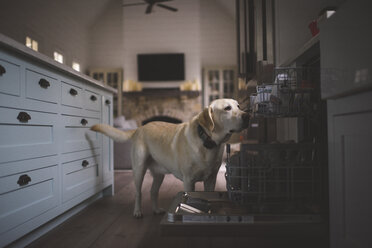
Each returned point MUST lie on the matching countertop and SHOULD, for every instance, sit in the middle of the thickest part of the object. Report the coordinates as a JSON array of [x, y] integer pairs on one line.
[[15, 46]]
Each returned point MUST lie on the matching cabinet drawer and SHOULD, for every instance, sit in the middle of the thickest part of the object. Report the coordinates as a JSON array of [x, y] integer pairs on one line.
[[73, 156], [16, 167], [79, 176], [77, 135], [72, 96], [92, 101], [10, 78], [79, 121], [26, 134], [42, 87], [26, 195]]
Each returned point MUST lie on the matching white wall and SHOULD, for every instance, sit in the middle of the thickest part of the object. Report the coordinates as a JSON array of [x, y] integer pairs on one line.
[[203, 30], [56, 25], [106, 37], [162, 31], [217, 33], [100, 33]]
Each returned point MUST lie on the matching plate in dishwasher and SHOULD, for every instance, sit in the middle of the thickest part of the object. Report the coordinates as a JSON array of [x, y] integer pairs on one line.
[[216, 207]]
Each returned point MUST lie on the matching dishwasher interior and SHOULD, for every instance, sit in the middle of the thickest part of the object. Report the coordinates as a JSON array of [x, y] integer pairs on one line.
[[272, 181]]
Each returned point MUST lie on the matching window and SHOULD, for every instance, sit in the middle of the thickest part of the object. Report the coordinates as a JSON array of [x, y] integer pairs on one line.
[[33, 44], [58, 57], [75, 66]]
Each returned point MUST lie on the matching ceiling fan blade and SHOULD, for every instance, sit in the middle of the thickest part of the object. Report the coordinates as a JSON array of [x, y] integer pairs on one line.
[[167, 7], [156, 1], [149, 8], [133, 4]]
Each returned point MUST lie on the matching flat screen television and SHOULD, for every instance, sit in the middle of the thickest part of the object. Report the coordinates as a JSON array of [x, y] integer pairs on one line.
[[161, 67]]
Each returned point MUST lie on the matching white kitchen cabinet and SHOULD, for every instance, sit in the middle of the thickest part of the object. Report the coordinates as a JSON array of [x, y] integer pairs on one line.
[[219, 82], [50, 160]]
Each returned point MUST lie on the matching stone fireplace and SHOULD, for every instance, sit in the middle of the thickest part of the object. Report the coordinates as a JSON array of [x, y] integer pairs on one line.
[[170, 105]]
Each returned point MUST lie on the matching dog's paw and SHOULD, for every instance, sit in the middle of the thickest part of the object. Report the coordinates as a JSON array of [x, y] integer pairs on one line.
[[159, 211], [137, 214]]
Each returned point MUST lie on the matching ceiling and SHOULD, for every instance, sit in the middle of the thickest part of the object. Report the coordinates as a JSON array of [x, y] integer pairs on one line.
[[227, 5]]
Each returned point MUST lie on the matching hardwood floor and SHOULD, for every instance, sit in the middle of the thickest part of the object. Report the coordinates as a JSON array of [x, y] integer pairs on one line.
[[109, 222]]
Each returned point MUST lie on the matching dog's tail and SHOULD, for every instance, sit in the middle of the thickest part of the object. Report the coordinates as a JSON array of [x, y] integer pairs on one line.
[[114, 133]]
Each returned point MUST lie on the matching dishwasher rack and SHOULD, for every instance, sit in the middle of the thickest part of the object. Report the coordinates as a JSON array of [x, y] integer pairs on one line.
[[290, 94], [277, 173]]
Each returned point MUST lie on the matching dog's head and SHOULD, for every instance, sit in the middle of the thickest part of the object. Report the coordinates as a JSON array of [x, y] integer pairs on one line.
[[224, 116]]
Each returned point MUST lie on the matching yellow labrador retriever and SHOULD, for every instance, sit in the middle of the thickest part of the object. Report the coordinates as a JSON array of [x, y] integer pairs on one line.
[[191, 151]]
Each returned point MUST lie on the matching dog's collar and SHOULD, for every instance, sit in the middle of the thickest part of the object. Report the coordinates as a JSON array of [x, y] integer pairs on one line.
[[207, 141]]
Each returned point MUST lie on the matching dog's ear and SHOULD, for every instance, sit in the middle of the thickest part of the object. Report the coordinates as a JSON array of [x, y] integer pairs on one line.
[[206, 119]]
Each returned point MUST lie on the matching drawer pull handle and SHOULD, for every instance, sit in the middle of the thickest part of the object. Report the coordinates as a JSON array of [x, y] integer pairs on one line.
[[93, 98], [23, 117], [73, 92], [108, 102], [84, 122], [2, 70], [85, 163], [24, 180], [44, 83]]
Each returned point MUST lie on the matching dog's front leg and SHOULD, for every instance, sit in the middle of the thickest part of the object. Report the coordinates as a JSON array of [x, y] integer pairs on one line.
[[210, 182], [188, 185]]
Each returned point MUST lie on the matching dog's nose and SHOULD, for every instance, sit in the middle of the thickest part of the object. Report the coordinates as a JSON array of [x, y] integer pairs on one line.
[[245, 118]]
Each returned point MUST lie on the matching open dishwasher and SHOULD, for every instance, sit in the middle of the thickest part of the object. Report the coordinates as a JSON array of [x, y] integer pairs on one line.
[[276, 183], [277, 186]]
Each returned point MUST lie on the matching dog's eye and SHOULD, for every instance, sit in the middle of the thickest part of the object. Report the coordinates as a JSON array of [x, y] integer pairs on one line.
[[228, 108], [238, 106]]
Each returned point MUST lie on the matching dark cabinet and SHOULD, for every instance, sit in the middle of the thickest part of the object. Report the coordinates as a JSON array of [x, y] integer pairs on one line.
[[254, 30], [346, 84]]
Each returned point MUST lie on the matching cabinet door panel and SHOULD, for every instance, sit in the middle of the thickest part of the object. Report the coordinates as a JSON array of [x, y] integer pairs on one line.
[[42, 87], [107, 143], [92, 101], [72, 95], [9, 77], [78, 137], [350, 171], [78, 179], [21, 139], [21, 203]]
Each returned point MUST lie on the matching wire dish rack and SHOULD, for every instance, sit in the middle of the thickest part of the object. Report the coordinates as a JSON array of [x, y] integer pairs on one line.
[[290, 94], [274, 174]]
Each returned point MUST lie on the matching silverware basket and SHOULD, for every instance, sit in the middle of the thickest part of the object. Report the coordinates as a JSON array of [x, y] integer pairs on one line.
[[290, 94]]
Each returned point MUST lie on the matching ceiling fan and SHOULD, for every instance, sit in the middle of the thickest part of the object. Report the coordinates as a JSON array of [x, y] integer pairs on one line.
[[151, 3]]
